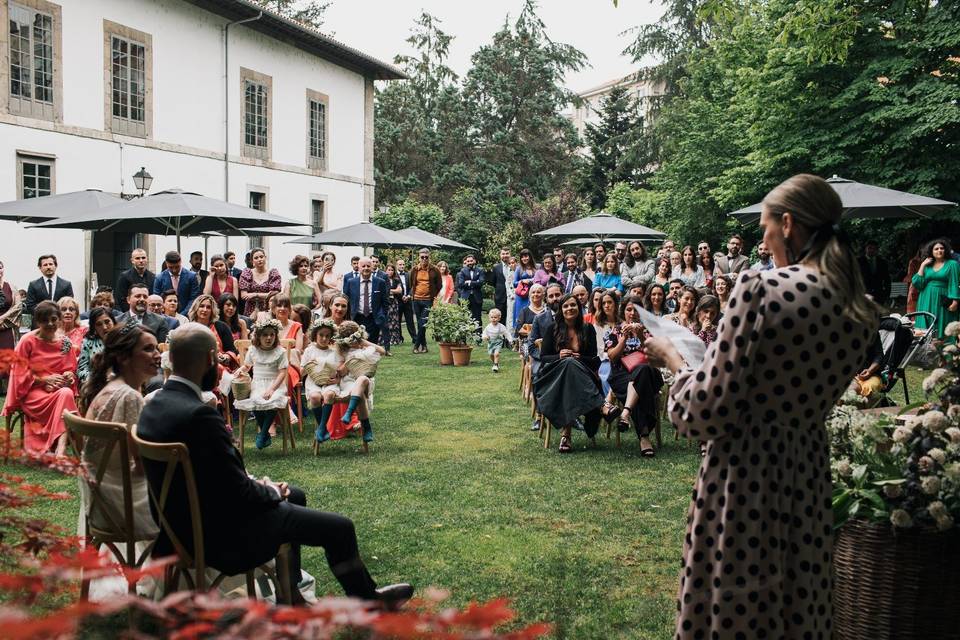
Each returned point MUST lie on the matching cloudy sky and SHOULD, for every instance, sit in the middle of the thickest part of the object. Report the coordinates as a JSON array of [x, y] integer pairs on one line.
[[380, 28]]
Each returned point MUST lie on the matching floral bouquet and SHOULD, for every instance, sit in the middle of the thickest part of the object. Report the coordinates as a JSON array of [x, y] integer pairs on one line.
[[907, 474]]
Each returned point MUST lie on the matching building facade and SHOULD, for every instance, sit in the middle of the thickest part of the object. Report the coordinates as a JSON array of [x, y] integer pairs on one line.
[[643, 91], [211, 96]]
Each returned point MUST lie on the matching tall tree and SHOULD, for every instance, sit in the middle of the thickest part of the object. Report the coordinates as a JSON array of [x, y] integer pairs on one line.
[[419, 124], [307, 12], [618, 148], [515, 97]]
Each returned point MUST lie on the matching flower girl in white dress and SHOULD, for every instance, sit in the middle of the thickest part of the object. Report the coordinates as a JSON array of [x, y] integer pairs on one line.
[[360, 358], [268, 389], [320, 364]]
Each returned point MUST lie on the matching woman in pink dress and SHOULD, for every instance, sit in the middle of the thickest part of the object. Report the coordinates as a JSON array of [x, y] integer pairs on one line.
[[258, 285], [446, 289], [325, 276], [44, 386]]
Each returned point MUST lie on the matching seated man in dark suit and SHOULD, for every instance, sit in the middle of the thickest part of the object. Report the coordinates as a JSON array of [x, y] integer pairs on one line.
[[48, 287], [137, 297], [244, 520], [369, 297]]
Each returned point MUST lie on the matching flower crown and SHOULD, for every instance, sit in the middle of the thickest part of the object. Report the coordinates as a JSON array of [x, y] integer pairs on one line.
[[321, 323], [271, 323], [359, 334]]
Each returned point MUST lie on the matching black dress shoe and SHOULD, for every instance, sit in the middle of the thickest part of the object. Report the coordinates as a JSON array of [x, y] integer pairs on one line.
[[394, 595]]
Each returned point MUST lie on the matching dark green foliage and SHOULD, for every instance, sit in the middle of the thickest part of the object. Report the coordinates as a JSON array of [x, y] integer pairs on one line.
[[307, 12], [618, 148]]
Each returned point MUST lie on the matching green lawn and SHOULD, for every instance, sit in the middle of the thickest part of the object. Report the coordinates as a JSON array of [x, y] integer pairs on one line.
[[458, 493]]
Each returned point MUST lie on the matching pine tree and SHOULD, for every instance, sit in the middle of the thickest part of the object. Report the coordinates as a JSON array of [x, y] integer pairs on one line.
[[617, 148]]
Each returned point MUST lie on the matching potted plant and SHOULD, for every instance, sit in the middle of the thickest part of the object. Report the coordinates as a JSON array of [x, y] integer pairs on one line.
[[896, 502], [455, 330]]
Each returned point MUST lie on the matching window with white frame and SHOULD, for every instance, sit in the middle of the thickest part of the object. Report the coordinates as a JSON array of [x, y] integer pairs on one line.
[[318, 128], [35, 176], [257, 110], [34, 42], [318, 219]]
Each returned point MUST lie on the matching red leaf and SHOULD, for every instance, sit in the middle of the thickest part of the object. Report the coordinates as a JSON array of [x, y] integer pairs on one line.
[[484, 616]]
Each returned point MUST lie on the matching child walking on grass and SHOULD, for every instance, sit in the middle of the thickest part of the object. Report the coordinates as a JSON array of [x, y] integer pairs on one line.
[[497, 336], [268, 388]]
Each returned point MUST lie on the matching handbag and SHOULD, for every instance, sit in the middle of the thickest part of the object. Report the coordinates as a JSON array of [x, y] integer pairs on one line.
[[633, 360], [523, 288]]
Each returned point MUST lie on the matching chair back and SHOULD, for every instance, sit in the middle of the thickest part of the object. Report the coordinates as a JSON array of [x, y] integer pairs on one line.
[[289, 344], [176, 456], [113, 439]]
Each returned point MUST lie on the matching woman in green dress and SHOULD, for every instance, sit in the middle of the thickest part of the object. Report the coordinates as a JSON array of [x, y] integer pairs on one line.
[[938, 281], [300, 288]]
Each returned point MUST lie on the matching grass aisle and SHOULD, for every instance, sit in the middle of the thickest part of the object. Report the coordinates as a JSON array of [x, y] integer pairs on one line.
[[457, 493]]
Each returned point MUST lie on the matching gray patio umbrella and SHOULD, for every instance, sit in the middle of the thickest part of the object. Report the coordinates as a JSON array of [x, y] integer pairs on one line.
[[172, 212], [432, 239], [867, 201], [362, 234], [264, 231], [602, 227], [588, 242], [34, 210]]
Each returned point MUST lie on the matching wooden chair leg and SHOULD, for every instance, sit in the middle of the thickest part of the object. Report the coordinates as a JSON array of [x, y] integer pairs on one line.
[[298, 398], [618, 435], [547, 427], [282, 564], [243, 423], [251, 586]]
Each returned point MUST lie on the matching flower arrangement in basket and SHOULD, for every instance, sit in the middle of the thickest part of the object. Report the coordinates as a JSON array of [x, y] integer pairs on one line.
[[452, 323], [907, 473]]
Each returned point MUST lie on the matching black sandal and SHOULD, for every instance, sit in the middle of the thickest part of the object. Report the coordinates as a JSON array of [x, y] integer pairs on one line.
[[609, 411], [623, 425], [647, 452], [565, 446]]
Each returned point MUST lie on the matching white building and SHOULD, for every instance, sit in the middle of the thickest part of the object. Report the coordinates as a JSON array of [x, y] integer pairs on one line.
[[265, 113], [643, 91]]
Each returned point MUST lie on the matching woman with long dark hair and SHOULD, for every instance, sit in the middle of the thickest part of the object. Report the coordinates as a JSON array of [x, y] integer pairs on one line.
[[758, 549], [570, 350], [113, 393], [709, 266], [938, 281], [230, 315], [609, 276], [689, 271], [632, 380], [548, 272], [656, 300], [101, 322]]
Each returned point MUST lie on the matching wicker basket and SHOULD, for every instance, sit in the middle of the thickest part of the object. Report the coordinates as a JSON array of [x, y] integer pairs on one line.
[[241, 388], [901, 585]]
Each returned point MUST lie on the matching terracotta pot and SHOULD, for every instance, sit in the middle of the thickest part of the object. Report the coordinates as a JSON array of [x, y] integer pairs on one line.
[[446, 357], [461, 355]]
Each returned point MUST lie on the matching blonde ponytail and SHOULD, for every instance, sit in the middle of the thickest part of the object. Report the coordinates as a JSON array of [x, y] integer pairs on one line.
[[815, 205]]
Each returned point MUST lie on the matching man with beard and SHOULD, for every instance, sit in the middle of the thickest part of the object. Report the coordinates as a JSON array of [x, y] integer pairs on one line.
[[137, 298], [734, 262], [244, 520], [137, 274]]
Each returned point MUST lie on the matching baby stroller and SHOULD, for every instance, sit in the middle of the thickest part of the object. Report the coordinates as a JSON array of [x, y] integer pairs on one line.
[[901, 345]]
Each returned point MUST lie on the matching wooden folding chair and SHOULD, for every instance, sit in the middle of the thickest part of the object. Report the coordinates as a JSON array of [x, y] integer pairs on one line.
[[176, 457], [117, 534], [283, 414], [12, 419]]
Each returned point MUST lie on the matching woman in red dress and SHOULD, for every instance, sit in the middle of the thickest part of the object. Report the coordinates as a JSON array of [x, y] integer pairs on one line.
[[70, 322], [44, 386], [220, 281]]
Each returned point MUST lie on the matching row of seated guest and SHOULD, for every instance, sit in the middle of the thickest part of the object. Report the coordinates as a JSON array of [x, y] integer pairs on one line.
[[245, 519], [622, 370]]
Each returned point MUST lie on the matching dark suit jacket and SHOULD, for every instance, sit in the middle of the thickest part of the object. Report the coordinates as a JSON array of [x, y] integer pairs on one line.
[[187, 290], [474, 290], [578, 278], [876, 280], [37, 292], [127, 278], [239, 515], [542, 325], [379, 297], [154, 322], [498, 278]]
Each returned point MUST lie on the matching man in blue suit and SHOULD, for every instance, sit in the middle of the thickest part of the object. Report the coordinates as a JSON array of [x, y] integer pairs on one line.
[[470, 287], [368, 297], [174, 277]]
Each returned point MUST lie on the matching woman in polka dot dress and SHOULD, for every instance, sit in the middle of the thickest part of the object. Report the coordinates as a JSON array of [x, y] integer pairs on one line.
[[758, 549]]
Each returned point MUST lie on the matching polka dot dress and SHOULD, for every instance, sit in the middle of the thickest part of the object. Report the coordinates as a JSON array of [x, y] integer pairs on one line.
[[759, 542]]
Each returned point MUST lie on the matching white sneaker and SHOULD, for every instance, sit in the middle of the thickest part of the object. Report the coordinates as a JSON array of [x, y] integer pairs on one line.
[[495, 368]]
